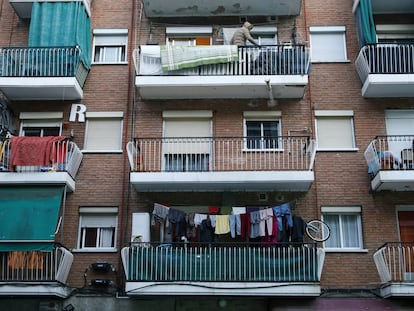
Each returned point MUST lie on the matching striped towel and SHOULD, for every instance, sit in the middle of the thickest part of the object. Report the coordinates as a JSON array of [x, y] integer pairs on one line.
[[179, 57]]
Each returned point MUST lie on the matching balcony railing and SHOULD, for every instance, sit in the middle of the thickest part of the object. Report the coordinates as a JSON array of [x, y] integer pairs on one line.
[[385, 59], [36, 266], [221, 154], [237, 262], [65, 156], [395, 262], [394, 152], [252, 60], [32, 62]]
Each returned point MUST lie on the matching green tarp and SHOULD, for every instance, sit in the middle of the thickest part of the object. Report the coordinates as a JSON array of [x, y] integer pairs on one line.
[[61, 24], [28, 217]]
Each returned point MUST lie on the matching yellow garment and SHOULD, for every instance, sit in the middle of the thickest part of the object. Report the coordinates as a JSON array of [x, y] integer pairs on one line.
[[222, 224]]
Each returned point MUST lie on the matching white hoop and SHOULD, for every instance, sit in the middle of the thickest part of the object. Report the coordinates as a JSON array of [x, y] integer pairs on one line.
[[317, 230]]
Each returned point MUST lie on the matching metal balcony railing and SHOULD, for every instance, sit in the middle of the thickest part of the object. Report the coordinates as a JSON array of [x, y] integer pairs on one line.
[[393, 152], [385, 59], [395, 262], [252, 60], [221, 154], [229, 262], [64, 156], [33, 62], [36, 266]]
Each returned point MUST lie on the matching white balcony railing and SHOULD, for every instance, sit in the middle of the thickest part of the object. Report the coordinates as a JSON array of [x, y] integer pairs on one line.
[[394, 152], [36, 266], [223, 263], [395, 262], [65, 156], [221, 154], [252, 60], [385, 59]]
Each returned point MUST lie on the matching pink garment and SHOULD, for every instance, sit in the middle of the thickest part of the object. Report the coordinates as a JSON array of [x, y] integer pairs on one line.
[[37, 151]]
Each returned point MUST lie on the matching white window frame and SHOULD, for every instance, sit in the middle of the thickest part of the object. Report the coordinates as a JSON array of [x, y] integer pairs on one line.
[[187, 32], [108, 40], [320, 31], [262, 116], [96, 212], [111, 116], [40, 120], [341, 211], [339, 114], [259, 33]]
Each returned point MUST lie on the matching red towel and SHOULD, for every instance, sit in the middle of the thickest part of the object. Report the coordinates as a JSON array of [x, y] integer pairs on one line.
[[38, 151]]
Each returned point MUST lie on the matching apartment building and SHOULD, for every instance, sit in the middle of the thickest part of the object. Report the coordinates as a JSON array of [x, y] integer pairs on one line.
[[147, 163]]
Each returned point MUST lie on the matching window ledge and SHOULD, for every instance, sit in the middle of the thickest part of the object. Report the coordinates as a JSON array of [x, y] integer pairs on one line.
[[345, 61], [94, 250], [110, 63], [337, 149], [345, 250], [101, 151]]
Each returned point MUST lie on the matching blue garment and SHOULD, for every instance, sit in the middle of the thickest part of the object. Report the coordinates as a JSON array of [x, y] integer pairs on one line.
[[255, 224], [280, 211], [235, 225]]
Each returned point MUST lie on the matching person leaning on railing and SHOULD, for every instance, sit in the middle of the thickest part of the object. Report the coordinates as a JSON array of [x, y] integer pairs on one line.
[[242, 35]]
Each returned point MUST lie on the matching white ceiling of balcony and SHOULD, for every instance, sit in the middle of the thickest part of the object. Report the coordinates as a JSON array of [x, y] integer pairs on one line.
[[398, 180], [231, 87], [41, 88], [392, 6], [189, 8], [296, 181]]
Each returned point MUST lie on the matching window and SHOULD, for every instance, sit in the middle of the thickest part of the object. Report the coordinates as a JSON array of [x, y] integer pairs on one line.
[[189, 36], [187, 140], [264, 35], [335, 130], [328, 44], [395, 33], [345, 225], [103, 132], [110, 46], [262, 130], [40, 124], [97, 228]]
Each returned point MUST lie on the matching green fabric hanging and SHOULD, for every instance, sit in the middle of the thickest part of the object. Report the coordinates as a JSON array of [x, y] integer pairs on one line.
[[367, 21], [28, 217], [61, 24]]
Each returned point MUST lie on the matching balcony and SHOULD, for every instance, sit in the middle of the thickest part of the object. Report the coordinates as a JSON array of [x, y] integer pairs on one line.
[[23, 8], [269, 72], [395, 265], [390, 163], [35, 273], [386, 70], [29, 73], [232, 269], [213, 8], [39, 161], [222, 164]]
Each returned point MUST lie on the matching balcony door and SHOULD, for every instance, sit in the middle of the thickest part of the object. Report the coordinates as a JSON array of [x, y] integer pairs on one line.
[[406, 228], [399, 125], [187, 142]]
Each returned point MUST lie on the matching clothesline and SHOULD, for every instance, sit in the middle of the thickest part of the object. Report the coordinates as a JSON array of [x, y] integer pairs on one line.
[[252, 222]]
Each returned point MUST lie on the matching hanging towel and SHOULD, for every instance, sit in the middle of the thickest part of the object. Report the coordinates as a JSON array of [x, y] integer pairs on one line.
[[222, 224]]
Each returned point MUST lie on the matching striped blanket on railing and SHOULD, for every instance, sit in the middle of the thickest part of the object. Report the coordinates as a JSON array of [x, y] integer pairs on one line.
[[180, 57]]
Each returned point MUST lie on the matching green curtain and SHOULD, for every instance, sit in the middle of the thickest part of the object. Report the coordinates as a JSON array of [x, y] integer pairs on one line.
[[28, 217], [366, 22], [61, 24]]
